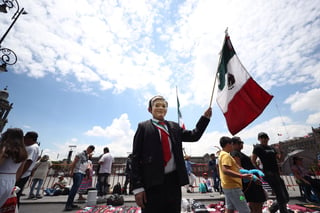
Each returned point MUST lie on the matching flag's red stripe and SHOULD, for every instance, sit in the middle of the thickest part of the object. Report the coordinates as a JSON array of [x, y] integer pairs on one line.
[[246, 105]]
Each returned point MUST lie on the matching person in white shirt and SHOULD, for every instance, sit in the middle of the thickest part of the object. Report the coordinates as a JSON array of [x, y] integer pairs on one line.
[[32, 147], [77, 171], [105, 163]]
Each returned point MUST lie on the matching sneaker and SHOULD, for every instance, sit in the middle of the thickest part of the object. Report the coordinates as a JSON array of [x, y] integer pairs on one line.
[[38, 196], [31, 196], [75, 206], [68, 208]]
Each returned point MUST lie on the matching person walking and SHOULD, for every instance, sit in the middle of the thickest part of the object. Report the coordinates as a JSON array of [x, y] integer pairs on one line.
[[191, 176], [230, 177], [253, 190], [86, 182], [127, 172], [77, 171], [39, 172], [24, 172], [268, 157], [158, 168], [105, 163], [212, 165]]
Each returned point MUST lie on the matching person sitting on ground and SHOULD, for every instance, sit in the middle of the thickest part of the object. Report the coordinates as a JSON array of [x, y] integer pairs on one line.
[[303, 176], [205, 185], [58, 188]]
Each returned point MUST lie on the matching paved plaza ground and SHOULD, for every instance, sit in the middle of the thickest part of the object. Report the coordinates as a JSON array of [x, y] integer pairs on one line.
[[52, 204]]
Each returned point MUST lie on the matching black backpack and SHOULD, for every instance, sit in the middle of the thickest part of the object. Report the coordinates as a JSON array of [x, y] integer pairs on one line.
[[115, 200], [117, 189]]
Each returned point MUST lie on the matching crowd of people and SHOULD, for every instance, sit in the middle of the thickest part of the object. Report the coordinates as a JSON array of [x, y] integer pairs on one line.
[[21, 162], [156, 169]]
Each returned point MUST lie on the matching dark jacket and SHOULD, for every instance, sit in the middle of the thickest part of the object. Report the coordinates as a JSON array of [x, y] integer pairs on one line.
[[147, 158]]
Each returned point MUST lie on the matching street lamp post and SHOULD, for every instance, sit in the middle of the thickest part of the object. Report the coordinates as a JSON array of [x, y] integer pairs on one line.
[[5, 108], [70, 153], [8, 56]]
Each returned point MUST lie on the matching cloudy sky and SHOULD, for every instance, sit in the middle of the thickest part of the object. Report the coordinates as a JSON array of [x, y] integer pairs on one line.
[[86, 68]]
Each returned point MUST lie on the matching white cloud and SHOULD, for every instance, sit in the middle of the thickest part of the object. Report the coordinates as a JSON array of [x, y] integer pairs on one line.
[[314, 119], [118, 137], [119, 134], [305, 100], [114, 43]]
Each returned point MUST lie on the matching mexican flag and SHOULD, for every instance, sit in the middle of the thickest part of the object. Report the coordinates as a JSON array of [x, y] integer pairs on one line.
[[180, 121], [240, 98]]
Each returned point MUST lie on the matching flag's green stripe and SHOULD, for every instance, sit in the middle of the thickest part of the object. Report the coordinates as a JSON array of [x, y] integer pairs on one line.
[[226, 54]]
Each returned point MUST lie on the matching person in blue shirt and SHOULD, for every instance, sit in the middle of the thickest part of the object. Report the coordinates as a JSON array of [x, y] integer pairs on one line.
[[192, 177]]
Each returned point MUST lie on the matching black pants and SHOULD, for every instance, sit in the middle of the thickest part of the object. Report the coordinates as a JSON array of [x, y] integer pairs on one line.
[[165, 197], [21, 183], [126, 182], [279, 188]]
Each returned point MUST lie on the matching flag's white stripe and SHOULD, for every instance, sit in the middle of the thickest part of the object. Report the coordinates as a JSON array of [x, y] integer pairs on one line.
[[241, 76]]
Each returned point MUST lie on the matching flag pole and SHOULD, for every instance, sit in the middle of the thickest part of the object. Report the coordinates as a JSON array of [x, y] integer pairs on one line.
[[214, 85], [177, 103], [215, 79]]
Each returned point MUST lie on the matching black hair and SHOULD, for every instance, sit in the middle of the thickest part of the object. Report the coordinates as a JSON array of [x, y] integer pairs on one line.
[[263, 135], [224, 140], [32, 135], [236, 140], [91, 147], [106, 149]]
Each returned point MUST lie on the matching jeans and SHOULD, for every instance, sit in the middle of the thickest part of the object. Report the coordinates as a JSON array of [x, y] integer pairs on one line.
[[235, 200], [34, 183], [216, 180], [77, 178], [103, 186], [126, 182]]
